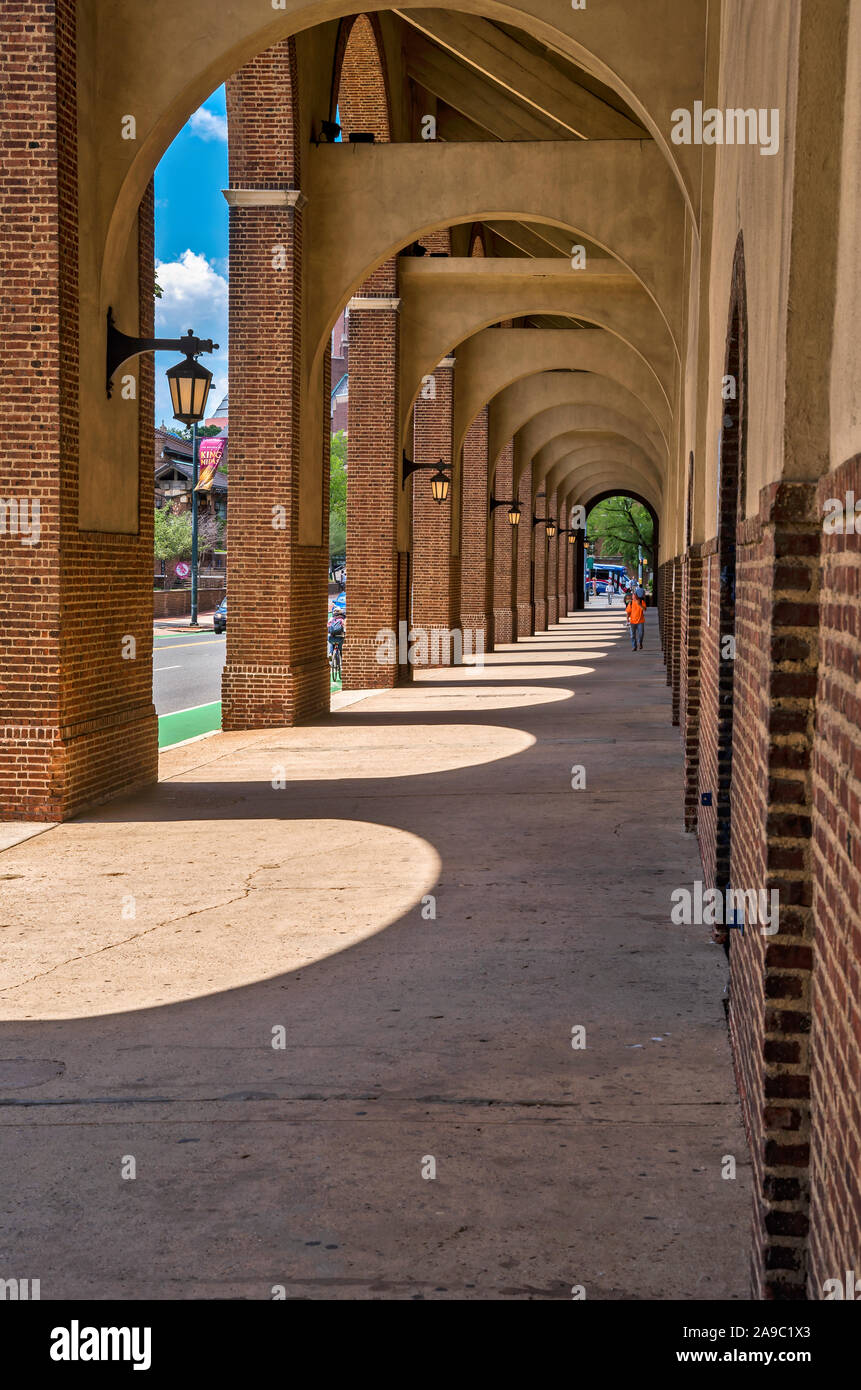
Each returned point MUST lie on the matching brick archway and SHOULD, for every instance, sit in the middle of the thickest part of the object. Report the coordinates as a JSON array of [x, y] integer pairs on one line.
[[360, 87]]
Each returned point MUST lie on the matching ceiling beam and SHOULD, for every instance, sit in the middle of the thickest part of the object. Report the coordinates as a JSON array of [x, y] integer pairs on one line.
[[522, 237], [499, 57], [466, 91]]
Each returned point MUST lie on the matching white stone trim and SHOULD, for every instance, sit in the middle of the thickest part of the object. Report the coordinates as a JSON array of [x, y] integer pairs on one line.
[[446, 362], [372, 302], [265, 198]]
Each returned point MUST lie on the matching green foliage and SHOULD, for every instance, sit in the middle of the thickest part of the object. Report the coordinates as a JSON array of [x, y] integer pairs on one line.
[[172, 534], [203, 431], [622, 524], [338, 494]]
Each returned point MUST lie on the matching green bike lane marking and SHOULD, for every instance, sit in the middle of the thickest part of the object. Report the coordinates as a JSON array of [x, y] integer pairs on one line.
[[200, 719], [188, 723]]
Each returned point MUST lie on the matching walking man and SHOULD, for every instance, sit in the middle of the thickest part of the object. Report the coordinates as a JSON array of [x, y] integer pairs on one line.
[[636, 611]]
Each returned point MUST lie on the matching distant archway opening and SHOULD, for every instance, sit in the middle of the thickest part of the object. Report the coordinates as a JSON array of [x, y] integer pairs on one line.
[[654, 549]]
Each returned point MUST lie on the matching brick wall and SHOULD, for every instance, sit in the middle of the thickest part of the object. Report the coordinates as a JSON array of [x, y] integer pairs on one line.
[[712, 777], [77, 719], [551, 562], [769, 1015], [431, 568], [476, 598], [523, 577], [376, 602], [539, 562], [361, 79], [675, 634], [689, 679], [835, 1237], [504, 551], [276, 671]]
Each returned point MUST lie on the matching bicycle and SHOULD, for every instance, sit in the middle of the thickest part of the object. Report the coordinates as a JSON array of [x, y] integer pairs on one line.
[[335, 660]]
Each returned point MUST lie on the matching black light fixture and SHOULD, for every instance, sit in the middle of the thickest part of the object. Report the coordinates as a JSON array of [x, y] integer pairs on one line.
[[361, 137], [330, 130], [189, 382], [550, 528], [514, 512], [189, 388], [440, 482], [570, 532]]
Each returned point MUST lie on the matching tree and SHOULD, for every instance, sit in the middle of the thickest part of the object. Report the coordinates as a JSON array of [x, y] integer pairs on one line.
[[622, 525], [203, 431], [338, 494], [172, 534]]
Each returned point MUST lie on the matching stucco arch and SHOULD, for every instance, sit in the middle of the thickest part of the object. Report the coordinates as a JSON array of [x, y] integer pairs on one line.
[[437, 315], [554, 460], [123, 45], [527, 365], [590, 402], [587, 478], [618, 194], [569, 421]]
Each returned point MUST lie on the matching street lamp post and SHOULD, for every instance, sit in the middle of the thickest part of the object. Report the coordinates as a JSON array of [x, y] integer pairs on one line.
[[189, 388], [195, 458]]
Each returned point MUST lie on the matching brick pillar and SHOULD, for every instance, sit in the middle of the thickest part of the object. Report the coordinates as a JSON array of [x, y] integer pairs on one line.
[[539, 563], [504, 552], [552, 564], [476, 599], [431, 567], [561, 567], [276, 672], [77, 723], [375, 600], [835, 1216], [771, 803], [523, 577], [674, 665], [689, 678]]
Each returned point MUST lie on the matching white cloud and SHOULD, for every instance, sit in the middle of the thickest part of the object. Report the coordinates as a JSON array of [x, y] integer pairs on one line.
[[208, 126], [195, 296]]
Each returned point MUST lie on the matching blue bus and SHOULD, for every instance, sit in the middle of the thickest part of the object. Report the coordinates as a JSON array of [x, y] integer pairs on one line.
[[604, 575]]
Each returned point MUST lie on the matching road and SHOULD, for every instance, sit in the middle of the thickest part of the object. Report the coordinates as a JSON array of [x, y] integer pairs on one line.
[[187, 670]]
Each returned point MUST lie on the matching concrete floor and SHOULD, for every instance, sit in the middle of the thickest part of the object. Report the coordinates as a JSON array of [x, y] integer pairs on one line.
[[408, 1037]]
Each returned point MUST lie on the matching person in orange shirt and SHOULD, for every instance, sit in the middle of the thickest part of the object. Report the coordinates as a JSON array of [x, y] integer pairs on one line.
[[636, 611]]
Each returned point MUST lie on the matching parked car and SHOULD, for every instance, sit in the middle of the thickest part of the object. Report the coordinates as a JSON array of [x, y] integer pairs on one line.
[[219, 617]]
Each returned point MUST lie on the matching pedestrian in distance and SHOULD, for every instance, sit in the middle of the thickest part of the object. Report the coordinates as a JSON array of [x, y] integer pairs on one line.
[[635, 608]]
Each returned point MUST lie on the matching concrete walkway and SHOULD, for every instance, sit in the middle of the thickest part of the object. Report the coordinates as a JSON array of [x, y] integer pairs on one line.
[[275, 887]]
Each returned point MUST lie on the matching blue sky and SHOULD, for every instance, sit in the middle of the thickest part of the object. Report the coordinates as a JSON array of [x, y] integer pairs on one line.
[[191, 245]]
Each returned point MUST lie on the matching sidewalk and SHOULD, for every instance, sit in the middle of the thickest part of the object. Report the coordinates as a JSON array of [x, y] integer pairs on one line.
[[183, 623], [314, 966]]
